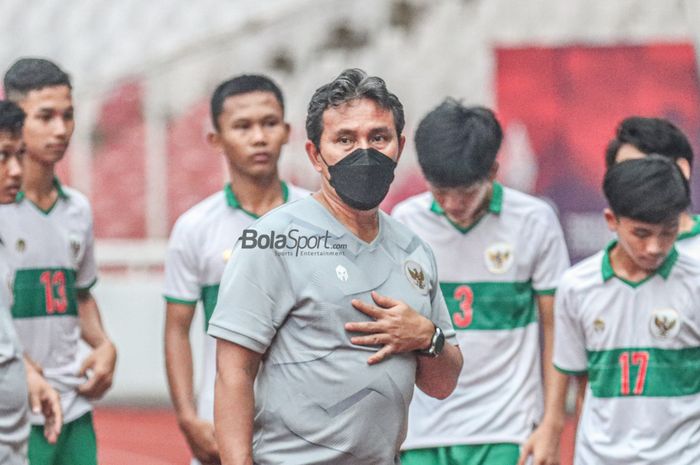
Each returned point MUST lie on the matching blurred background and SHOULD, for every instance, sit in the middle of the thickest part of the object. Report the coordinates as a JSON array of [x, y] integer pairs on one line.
[[560, 75]]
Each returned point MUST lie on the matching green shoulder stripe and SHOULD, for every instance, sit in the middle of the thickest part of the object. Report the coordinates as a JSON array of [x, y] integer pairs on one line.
[[89, 286], [570, 372], [173, 300], [546, 291]]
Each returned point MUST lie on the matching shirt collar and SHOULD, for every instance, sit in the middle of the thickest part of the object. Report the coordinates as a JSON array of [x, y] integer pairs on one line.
[[233, 202], [338, 230], [62, 194], [664, 270], [495, 205]]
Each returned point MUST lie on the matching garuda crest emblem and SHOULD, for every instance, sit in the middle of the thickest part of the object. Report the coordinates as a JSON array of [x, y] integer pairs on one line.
[[665, 323], [416, 276], [499, 257]]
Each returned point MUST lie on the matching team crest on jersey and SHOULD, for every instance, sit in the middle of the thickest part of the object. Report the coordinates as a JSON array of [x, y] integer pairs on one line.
[[75, 248], [227, 254], [342, 273], [598, 325], [499, 257], [665, 323], [415, 275], [21, 245]]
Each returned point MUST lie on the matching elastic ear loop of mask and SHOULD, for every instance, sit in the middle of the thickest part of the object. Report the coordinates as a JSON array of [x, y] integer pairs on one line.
[[327, 166]]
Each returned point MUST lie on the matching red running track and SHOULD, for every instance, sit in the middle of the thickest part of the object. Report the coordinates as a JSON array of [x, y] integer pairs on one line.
[[128, 436]]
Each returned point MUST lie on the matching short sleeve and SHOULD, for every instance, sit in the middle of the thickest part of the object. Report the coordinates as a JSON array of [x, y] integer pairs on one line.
[[440, 316], [254, 299], [552, 256], [569, 338], [86, 276], [182, 283], [399, 214]]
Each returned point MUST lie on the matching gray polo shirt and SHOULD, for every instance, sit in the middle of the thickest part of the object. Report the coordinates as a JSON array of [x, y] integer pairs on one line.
[[317, 401]]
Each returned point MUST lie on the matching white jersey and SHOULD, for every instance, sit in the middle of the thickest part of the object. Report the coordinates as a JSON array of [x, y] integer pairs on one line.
[[14, 421], [490, 274], [200, 245], [54, 258], [10, 347], [639, 343], [689, 242]]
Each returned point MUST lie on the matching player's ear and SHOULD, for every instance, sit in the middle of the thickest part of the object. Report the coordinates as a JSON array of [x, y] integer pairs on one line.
[[493, 171], [402, 144], [610, 219], [287, 130], [214, 140], [684, 166], [314, 155]]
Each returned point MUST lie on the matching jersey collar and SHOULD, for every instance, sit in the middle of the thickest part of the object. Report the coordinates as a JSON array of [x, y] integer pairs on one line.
[[355, 245], [664, 270], [694, 231], [62, 194], [233, 202], [495, 207]]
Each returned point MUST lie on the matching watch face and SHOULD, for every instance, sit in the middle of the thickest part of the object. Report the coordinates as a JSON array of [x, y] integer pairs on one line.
[[439, 341]]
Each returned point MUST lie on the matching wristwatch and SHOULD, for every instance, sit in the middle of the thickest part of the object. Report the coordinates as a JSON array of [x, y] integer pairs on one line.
[[436, 344]]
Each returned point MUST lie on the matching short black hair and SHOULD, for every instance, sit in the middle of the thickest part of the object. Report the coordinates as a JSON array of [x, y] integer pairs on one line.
[[28, 74], [456, 144], [242, 84], [11, 118], [351, 84], [650, 135], [650, 189]]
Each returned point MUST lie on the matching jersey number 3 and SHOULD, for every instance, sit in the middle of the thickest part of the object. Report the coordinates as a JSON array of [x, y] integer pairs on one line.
[[640, 359], [54, 291], [465, 296]]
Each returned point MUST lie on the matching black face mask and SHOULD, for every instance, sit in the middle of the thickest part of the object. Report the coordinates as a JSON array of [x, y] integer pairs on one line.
[[362, 179]]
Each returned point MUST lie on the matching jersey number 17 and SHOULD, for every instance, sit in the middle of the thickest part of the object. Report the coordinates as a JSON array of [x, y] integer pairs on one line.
[[641, 360]]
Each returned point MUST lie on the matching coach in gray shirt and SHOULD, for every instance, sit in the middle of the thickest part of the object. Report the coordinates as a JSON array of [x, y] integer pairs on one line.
[[329, 311]]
